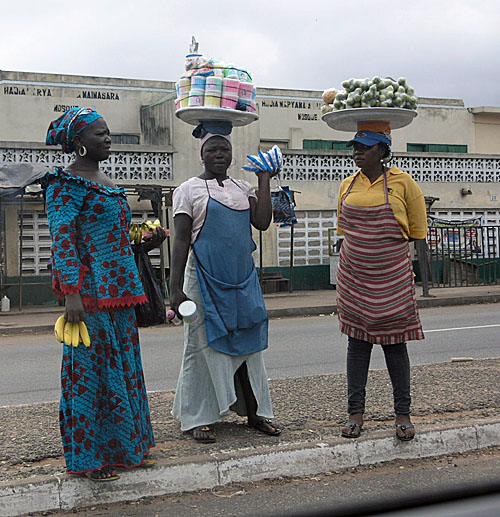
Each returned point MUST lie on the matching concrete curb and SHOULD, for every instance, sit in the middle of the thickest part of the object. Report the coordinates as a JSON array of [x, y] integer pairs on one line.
[[457, 300], [208, 471], [291, 312], [39, 329]]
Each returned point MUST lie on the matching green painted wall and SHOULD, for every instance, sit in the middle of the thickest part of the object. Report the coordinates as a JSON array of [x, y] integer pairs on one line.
[[32, 294], [305, 278]]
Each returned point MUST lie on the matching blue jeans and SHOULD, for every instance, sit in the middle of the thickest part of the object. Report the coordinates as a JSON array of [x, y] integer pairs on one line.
[[358, 362]]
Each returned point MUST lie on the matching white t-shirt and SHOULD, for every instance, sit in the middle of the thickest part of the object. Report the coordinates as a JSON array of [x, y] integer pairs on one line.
[[191, 198]]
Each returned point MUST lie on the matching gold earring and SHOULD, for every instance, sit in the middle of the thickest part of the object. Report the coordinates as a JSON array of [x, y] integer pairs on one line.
[[82, 151]]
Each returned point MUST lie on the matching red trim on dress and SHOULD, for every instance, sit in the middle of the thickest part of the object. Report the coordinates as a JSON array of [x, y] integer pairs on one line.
[[61, 289], [92, 304]]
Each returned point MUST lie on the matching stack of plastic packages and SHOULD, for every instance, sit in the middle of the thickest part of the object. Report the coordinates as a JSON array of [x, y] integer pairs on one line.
[[197, 92], [209, 82], [183, 88], [213, 91]]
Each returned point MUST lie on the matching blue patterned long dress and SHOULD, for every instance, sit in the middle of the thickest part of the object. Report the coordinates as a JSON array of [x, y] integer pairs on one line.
[[104, 414]]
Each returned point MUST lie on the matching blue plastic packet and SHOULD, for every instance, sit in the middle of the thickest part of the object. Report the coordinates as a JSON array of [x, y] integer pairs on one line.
[[259, 164], [271, 163], [265, 162], [277, 156], [266, 165]]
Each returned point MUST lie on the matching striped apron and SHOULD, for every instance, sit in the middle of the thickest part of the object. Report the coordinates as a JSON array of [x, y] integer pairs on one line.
[[375, 287]]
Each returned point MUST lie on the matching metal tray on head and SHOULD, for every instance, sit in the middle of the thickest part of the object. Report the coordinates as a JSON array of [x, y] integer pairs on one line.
[[348, 119], [195, 115]]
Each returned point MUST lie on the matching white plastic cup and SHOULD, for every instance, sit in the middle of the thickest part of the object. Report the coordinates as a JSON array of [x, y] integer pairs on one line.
[[187, 310], [172, 317]]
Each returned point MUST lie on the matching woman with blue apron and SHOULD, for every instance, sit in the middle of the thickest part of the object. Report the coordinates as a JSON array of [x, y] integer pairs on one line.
[[222, 368]]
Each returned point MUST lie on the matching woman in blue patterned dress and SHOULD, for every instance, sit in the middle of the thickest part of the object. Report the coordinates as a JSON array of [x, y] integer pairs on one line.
[[104, 414]]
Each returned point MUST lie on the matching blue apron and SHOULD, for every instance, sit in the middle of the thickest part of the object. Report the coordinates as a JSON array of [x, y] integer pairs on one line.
[[236, 319]]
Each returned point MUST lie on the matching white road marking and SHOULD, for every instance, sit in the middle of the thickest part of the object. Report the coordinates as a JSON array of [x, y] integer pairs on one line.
[[463, 328]]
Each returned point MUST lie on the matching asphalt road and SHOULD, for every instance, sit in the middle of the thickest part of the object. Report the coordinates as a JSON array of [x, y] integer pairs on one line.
[[30, 364], [397, 485]]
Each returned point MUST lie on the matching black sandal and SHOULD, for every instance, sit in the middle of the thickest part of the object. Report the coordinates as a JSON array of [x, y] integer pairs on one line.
[[352, 427], [404, 427], [266, 426]]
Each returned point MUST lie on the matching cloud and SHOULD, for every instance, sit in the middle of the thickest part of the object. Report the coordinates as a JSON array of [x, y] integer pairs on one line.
[[445, 48]]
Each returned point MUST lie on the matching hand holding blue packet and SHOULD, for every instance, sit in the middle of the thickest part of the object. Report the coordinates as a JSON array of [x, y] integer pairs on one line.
[[266, 162]]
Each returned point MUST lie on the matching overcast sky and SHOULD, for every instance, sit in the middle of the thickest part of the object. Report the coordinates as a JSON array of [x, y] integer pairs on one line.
[[445, 48]]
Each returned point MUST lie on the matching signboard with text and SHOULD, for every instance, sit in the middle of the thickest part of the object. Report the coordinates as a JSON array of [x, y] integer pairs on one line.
[[454, 238]]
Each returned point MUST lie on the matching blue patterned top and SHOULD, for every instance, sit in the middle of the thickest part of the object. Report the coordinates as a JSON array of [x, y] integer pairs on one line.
[[91, 253]]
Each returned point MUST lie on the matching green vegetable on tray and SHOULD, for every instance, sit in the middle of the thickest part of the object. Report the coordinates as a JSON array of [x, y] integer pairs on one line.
[[373, 93]]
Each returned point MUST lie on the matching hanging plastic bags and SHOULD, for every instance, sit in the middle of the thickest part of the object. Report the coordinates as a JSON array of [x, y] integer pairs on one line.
[[283, 211], [153, 311], [272, 161]]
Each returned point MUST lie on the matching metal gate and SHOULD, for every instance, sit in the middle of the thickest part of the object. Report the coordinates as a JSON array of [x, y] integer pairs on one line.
[[463, 254]]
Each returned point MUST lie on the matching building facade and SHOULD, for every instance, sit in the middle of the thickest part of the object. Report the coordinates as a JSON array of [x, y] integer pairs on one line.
[[450, 149]]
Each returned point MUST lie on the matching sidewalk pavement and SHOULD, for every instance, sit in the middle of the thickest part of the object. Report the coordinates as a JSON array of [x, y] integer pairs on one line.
[[41, 319], [455, 409]]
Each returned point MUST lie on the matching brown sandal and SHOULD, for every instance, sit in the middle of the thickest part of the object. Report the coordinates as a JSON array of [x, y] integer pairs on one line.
[[96, 475], [147, 463], [207, 430]]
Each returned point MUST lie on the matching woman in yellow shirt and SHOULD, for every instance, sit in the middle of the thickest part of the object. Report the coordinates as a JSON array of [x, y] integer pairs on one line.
[[380, 209]]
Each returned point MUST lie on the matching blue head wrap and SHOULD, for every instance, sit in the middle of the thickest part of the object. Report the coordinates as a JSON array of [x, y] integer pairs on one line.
[[62, 130], [215, 127]]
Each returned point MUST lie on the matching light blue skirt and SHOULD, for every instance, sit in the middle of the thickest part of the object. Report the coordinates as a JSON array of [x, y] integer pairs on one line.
[[207, 389]]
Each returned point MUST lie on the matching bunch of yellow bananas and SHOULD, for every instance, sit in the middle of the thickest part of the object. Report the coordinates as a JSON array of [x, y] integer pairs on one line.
[[135, 233], [71, 334], [151, 226], [136, 230]]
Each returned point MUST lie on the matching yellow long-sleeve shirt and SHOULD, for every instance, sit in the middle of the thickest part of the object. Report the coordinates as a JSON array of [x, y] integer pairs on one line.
[[405, 197]]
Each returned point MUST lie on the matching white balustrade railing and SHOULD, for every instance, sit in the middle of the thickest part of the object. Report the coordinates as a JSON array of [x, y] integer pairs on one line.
[[298, 165], [312, 232], [335, 166], [129, 166]]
